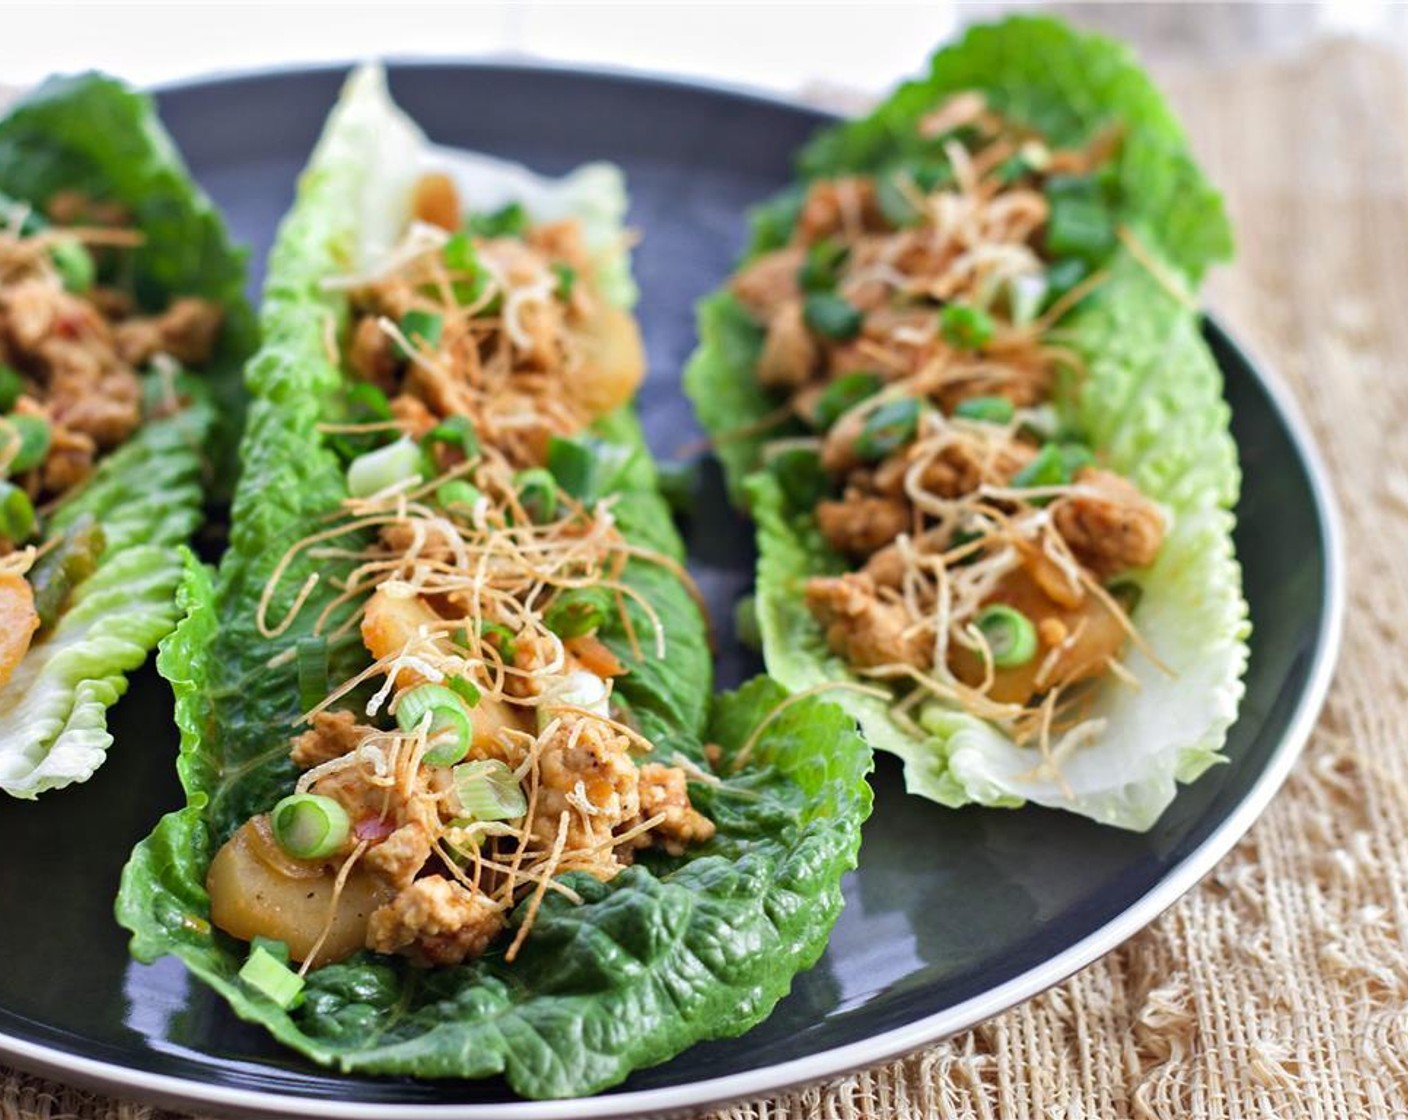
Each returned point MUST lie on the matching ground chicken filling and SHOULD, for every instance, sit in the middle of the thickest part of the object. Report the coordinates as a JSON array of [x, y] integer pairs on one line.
[[481, 751], [913, 324], [75, 350]]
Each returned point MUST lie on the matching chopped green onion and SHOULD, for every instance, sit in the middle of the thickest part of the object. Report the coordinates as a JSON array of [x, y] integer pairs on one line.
[[16, 513], [450, 730], [887, 429], [588, 468], [988, 410], [487, 791], [74, 265], [507, 221], [64, 565], [362, 403], [961, 537], [578, 689], [309, 826], [420, 327], [459, 496], [964, 326], [11, 387], [1080, 222], [499, 636], [465, 689], [566, 280], [832, 316], [843, 394], [311, 651], [537, 494], [34, 437], [803, 479], [822, 266], [894, 191], [471, 278], [1009, 633], [271, 977], [456, 431], [746, 627], [383, 468], [1056, 464], [575, 612]]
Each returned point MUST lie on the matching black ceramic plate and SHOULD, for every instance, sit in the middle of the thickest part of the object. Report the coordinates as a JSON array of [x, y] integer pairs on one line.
[[951, 917]]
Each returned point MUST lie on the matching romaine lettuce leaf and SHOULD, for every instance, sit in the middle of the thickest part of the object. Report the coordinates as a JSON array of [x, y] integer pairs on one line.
[[1151, 402], [93, 134], [671, 951]]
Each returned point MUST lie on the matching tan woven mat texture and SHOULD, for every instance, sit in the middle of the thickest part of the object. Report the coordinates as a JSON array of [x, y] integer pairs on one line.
[[1278, 988]]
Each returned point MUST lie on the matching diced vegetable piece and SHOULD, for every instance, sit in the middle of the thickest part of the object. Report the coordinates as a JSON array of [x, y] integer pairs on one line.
[[537, 494], [450, 729], [576, 612], [843, 394], [16, 513], [29, 436], [67, 563], [308, 826], [830, 315], [588, 468], [964, 326], [457, 432], [388, 466], [887, 429], [271, 977], [11, 386], [74, 265], [313, 682], [507, 221], [487, 791], [18, 622], [421, 328], [822, 266], [1010, 635], [988, 410], [1081, 223], [392, 621]]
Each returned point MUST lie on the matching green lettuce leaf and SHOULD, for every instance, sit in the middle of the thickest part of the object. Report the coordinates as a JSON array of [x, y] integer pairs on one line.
[[94, 135], [1151, 403], [669, 952]]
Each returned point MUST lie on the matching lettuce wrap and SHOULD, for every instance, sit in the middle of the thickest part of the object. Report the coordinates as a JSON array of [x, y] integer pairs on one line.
[[672, 949], [1148, 403], [92, 137]]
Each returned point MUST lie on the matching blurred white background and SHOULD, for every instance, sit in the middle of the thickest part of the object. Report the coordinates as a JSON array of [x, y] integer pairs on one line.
[[777, 46]]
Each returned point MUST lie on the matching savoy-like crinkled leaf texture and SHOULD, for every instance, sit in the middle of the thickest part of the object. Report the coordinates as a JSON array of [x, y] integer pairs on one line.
[[94, 135], [673, 950], [1150, 403]]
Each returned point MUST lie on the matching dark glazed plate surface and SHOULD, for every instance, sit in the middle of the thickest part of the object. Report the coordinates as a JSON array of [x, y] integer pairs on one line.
[[951, 917]]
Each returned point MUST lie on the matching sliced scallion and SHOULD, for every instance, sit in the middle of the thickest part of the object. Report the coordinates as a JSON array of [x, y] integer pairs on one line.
[[822, 265], [887, 429], [1009, 633], [271, 977], [507, 221], [843, 394], [799, 472], [309, 826], [988, 410], [421, 328], [383, 468], [487, 791], [965, 326], [450, 729], [313, 678], [33, 436], [74, 264], [11, 386], [566, 280], [537, 494], [575, 612], [16, 513], [459, 496], [457, 432], [832, 316]]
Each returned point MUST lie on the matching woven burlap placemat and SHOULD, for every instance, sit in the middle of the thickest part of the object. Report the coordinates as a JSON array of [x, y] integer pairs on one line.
[[1278, 988]]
